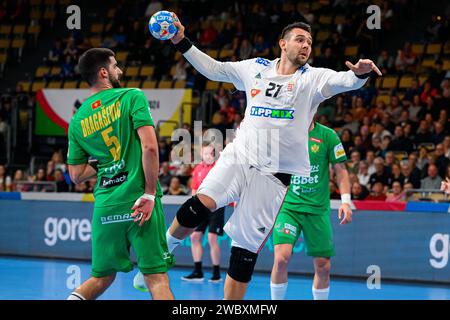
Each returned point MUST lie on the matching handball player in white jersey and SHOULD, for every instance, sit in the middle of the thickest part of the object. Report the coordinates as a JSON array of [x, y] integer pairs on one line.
[[271, 144]]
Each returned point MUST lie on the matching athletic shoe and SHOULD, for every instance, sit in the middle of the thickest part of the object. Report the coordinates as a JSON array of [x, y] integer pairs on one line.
[[215, 279], [195, 276], [139, 282]]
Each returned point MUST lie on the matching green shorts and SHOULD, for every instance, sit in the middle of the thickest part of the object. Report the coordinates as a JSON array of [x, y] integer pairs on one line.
[[317, 232], [114, 232]]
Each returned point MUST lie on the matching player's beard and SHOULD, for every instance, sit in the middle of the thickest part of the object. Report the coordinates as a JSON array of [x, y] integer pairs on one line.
[[296, 60], [114, 82]]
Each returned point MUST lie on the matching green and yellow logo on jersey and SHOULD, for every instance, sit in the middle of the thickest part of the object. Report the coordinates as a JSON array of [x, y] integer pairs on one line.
[[315, 148]]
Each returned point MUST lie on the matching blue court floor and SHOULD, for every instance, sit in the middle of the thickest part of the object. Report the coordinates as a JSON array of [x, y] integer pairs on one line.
[[37, 279]]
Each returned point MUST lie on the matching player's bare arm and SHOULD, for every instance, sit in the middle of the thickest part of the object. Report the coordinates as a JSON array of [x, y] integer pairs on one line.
[[343, 181], [150, 162], [81, 172]]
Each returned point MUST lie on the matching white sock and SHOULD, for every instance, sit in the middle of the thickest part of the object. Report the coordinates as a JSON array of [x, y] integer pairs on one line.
[[75, 296], [320, 294], [278, 290], [172, 242]]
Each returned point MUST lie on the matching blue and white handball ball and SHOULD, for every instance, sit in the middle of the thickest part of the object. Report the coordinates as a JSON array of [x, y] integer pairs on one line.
[[161, 25]]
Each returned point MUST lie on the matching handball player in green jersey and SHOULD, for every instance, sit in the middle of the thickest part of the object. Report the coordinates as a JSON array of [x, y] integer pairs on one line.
[[306, 209], [114, 126]]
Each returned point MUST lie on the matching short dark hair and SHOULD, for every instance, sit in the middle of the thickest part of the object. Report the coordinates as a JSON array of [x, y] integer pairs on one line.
[[91, 61], [294, 25]]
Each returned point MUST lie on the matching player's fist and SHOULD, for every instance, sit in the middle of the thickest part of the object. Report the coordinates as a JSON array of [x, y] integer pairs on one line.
[[180, 33], [363, 66]]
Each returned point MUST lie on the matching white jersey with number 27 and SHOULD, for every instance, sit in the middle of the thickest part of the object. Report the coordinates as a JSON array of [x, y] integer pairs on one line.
[[273, 136]]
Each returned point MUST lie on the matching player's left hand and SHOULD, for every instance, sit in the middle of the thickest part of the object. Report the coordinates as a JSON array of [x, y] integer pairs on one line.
[[143, 209], [345, 208], [363, 66]]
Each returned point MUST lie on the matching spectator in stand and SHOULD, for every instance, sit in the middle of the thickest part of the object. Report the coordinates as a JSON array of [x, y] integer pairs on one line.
[[376, 146], [433, 180], [444, 120], [358, 146], [165, 176], [359, 191], [359, 111], [441, 160], [363, 173], [370, 157], [67, 68], [40, 177], [334, 192], [71, 49], [379, 131], [397, 193], [347, 141], [415, 108], [439, 133], [413, 178], [175, 188], [353, 164], [413, 90], [185, 173], [164, 150], [387, 122], [377, 192], [381, 174], [180, 70], [245, 50], [406, 59], [385, 62], [50, 171], [399, 142], [350, 123], [423, 133], [209, 35], [428, 91], [384, 146], [394, 108], [61, 185], [422, 159], [389, 160], [437, 74], [327, 59], [397, 174], [56, 54], [19, 176], [2, 178], [446, 144], [261, 48]]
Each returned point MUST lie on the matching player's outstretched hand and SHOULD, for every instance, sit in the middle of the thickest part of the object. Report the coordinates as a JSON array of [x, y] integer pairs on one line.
[[180, 33], [445, 186], [143, 209], [363, 66], [345, 208]]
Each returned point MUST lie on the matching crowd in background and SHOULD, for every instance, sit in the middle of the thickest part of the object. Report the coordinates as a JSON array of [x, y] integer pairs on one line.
[[395, 145]]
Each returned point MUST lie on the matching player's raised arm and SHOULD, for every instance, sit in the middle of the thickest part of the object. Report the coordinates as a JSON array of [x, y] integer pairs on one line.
[[350, 80], [207, 66]]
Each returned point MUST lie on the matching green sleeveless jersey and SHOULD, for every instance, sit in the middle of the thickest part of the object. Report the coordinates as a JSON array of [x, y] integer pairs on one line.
[[312, 194], [105, 127]]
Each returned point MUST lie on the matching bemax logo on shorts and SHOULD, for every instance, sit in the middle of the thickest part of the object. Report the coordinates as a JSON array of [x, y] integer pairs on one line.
[[114, 181], [66, 229]]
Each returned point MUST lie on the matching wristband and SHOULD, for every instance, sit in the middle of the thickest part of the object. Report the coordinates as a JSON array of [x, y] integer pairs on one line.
[[147, 196], [363, 76], [184, 45], [346, 198]]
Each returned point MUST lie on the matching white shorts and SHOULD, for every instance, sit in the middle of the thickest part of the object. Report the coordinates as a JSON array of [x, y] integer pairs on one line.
[[259, 196]]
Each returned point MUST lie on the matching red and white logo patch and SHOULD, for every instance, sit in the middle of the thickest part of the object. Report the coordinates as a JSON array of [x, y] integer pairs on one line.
[[254, 92], [96, 104], [316, 140]]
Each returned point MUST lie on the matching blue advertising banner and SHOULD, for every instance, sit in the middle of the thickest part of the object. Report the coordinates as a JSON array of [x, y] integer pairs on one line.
[[398, 245]]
